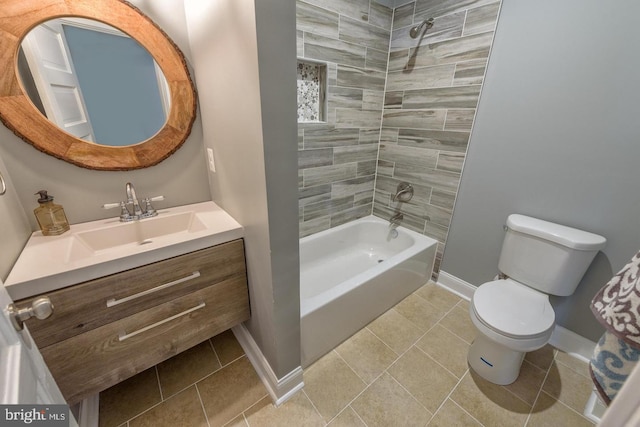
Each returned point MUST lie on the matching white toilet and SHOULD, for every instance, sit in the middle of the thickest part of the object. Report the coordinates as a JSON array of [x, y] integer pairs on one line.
[[513, 315]]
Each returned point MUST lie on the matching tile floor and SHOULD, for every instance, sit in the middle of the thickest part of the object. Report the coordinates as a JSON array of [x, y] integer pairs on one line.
[[406, 368]]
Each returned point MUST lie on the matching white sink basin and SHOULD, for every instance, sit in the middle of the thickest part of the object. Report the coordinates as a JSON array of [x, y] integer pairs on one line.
[[98, 248]]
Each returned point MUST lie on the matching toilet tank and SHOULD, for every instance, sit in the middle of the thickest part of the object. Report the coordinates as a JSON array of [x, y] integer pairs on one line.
[[549, 257]]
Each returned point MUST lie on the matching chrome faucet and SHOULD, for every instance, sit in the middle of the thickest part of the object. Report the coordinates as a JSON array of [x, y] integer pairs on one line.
[[132, 199], [404, 192], [140, 211], [395, 220]]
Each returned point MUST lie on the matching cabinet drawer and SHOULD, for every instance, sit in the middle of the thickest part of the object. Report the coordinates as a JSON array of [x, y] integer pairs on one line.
[[91, 362], [84, 307]]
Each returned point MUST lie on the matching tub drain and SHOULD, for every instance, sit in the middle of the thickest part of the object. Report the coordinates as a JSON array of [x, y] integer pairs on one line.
[[380, 260]]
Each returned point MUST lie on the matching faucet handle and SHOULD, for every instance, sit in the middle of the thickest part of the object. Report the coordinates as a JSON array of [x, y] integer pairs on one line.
[[111, 205], [149, 210], [156, 198]]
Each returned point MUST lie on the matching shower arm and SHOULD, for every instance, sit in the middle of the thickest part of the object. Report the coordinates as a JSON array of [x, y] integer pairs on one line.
[[416, 30]]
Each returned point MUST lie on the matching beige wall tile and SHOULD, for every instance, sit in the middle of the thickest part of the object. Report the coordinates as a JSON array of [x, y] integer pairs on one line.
[[548, 412], [446, 348], [489, 403], [297, 411], [427, 381], [568, 386], [227, 347], [450, 415], [229, 391], [186, 368], [387, 403], [129, 398], [183, 409], [331, 384], [367, 355]]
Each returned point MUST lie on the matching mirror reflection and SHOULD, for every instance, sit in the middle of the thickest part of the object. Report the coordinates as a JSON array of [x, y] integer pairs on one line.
[[93, 81]]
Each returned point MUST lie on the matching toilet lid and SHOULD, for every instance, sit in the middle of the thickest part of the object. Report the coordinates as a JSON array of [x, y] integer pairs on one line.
[[513, 309]]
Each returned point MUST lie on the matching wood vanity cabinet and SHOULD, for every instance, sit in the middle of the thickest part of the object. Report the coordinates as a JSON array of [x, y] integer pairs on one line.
[[106, 330]]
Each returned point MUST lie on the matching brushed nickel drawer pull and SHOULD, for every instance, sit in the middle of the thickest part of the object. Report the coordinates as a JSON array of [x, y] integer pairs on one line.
[[124, 336], [113, 301]]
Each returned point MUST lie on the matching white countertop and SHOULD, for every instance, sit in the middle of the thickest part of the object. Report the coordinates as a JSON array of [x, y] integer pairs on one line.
[[48, 263]]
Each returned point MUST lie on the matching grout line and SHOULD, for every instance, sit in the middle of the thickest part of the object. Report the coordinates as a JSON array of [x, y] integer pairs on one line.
[[540, 390], [467, 372], [315, 408], [204, 411], [213, 347], [155, 368]]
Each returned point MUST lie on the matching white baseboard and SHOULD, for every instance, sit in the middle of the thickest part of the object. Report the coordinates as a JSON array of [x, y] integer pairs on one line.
[[89, 412], [456, 285], [562, 338], [280, 389]]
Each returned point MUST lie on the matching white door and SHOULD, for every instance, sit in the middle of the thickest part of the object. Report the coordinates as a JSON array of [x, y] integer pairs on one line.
[[24, 377], [47, 53]]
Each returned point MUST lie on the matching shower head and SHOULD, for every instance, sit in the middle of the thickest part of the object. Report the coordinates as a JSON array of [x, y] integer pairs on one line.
[[416, 30]]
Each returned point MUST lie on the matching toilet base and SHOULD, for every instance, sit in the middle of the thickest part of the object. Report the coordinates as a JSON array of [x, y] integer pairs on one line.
[[494, 362]]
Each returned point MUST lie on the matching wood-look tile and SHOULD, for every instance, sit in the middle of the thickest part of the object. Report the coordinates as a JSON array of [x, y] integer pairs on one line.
[[356, 9], [369, 136], [299, 44], [355, 153], [481, 19], [315, 225], [393, 99], [380, 15], [437, 232], [443, 180], [459, 120], [351, 214], [416, 119], [444, 28], [344, 97], [338, 51], [417, 225], [351, 187], [372, 100], [363, 198], [398, 59], [328, 174], [450, 161], [426, 8], [376, 59], [367, 168], [350, 76], [434, 139], [444, 97], [403, 15], [183, 409], [313, 19], [388, 185], [470, 72], [389, 135], [364, 34], [421, 78], [317, 193], [327, 208], [409, 156], [387, 403], [349, 118], [443, 199], [314, 158], [332, 137], [385, 169], [447, 52]]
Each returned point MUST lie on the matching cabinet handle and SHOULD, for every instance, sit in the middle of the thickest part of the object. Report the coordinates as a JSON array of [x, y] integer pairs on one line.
[[113, 301], [124, 336]]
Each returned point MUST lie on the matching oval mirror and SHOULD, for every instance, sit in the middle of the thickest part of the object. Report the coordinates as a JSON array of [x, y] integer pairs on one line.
[[78, 72]]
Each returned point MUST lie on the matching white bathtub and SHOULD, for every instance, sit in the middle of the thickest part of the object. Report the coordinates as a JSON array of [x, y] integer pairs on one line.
[[351, 274]]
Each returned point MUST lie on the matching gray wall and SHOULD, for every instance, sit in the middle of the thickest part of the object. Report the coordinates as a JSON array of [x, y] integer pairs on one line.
[[555, 137], [244, 60]]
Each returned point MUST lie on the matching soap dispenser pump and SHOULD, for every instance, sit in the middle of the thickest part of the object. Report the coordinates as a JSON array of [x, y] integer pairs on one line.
[[51, 217]]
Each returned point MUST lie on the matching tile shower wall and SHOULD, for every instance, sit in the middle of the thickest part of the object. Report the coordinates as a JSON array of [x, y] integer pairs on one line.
[[432, 89], [399, 109], [337, 159]]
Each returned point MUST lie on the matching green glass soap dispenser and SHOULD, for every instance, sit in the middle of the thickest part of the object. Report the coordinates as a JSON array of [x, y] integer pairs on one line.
[[51, 217]]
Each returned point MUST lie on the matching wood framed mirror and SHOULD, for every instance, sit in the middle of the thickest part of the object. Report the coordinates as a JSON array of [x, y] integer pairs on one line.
[[19, 114]]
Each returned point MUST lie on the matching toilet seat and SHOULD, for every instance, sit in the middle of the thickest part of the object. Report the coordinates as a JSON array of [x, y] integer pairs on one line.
[[513, 310]]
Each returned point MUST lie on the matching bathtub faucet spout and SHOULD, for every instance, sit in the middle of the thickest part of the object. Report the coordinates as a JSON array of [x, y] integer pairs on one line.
[[395, 220]]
